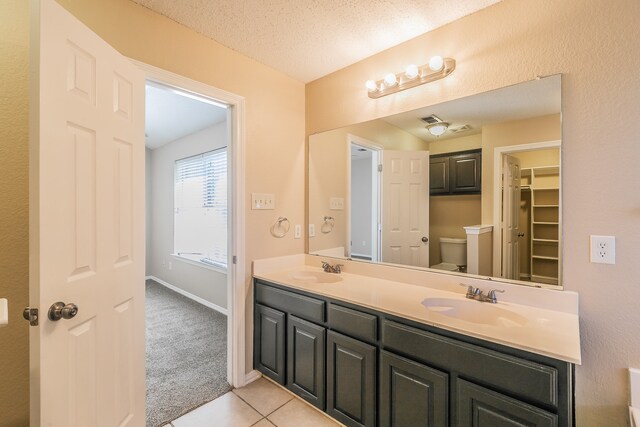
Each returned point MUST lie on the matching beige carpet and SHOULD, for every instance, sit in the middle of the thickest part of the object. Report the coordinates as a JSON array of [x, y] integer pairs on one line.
[[186, 354]]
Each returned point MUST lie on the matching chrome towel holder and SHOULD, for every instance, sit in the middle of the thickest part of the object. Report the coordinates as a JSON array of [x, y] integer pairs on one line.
[[327, 224], [281, 227]]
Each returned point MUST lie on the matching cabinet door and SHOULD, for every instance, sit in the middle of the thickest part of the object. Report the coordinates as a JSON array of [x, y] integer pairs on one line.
[[351, 381], [480, 407], [438, 175], [305, 356], [412, 394], [464, 174], [268, 343]]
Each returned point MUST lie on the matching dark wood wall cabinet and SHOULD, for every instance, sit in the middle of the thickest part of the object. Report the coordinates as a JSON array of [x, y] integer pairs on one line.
[[455, 173], [368, 368]]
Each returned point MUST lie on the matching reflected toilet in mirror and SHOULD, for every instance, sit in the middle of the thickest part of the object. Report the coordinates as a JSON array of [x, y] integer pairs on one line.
[[453, 253]]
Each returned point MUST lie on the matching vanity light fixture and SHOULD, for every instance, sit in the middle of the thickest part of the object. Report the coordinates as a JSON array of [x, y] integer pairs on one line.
[[437, 68]]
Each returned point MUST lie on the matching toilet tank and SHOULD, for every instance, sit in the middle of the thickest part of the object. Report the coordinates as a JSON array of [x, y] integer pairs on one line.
[[453, 251]]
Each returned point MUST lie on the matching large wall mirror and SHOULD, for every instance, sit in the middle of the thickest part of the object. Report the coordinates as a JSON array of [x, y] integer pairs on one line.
[[470, 186]]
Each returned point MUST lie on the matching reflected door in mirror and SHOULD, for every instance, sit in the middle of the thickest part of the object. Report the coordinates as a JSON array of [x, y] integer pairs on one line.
[[405, 218]]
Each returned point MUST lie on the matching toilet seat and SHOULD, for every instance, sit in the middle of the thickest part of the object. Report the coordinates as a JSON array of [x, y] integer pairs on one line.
[[445, 266]]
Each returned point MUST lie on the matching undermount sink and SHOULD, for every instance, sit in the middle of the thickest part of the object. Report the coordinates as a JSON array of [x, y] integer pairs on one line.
[[315, 277], [474, 311]]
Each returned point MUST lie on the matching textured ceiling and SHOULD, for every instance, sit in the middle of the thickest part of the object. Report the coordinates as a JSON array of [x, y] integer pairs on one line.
[[308, 39]]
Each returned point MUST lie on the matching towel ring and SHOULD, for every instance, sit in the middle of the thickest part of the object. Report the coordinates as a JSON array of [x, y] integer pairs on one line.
[[280, 228], [327, 224]]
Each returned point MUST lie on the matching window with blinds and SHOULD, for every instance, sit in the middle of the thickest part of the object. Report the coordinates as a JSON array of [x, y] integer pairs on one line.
[[200, 208]]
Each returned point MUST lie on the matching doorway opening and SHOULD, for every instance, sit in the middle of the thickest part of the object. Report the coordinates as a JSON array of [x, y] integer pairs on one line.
[[188, 180], [364, 199], [528, 244]]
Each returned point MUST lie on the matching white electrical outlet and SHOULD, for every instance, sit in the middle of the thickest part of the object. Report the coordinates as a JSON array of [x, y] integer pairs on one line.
[[297, 231], [336, 203], [312, 230], [262, 201], [603, 249]]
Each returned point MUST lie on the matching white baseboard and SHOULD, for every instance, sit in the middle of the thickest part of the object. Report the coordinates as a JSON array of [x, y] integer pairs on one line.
[[190, 295], [251, 376]]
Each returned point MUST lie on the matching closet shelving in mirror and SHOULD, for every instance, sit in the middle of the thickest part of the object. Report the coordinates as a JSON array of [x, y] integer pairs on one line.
[[544, 184]]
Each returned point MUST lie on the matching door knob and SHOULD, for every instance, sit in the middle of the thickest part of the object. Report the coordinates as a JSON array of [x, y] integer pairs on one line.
[[424, 239], [60, 310]]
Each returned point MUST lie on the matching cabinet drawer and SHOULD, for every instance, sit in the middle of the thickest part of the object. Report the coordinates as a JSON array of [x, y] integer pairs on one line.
[[302, 306], [530, 381], [480, 407], [353, 322]]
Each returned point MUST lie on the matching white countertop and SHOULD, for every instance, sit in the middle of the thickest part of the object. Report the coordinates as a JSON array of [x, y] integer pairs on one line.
[[549, 329]]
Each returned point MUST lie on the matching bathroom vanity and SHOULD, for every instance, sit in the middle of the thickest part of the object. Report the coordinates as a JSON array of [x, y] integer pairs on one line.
[[370, 351]]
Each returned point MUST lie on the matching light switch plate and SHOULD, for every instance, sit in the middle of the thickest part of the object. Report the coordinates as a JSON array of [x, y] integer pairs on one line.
[[297, 231], [263, 201], [336, 203], [312, 230]]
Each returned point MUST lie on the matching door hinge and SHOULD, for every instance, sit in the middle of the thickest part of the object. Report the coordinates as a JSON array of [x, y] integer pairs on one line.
[[234, 259], [379, 168], [31, 314]]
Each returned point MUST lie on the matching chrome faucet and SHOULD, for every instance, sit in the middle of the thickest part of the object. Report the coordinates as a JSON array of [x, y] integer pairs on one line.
[[328, 268], [478, 295]]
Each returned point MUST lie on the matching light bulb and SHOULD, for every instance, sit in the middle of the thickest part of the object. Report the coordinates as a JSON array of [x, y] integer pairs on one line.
[[436, 63], [371, 86], [412, 71], [390, 80]]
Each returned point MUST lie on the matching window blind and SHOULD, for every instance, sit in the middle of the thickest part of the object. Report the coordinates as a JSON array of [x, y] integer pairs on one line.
[[201, 207]]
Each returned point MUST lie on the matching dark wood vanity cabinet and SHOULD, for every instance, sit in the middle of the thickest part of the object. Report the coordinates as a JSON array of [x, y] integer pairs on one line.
[[455, 173], [481, 407], [368, 368], [269, 337], [306, 360], [412, 394], [351, 380]]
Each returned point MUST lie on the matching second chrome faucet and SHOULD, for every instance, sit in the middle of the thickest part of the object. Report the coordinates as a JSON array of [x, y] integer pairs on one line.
[[328, 268], [478, 295]]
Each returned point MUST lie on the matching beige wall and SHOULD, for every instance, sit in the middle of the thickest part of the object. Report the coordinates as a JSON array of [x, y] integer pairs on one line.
[[450, 145], [516, 132], [14, 214], [515, 41]]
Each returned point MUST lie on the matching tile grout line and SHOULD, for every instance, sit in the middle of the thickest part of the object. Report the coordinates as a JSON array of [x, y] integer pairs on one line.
[[270, 413]]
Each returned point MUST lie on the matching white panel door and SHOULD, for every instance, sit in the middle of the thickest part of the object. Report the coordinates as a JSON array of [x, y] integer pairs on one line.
[[405, 207], [510, 217], [86, 227]]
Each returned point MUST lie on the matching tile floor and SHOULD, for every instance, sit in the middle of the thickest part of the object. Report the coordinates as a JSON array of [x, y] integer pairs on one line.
[[259, 404]]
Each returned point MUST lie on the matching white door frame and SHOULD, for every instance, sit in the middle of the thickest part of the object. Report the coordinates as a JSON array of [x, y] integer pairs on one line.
[[497, 194], [375, 196], [236, 373]]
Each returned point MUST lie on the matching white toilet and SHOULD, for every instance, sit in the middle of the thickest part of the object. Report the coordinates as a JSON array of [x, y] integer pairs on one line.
[[453, 253]]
